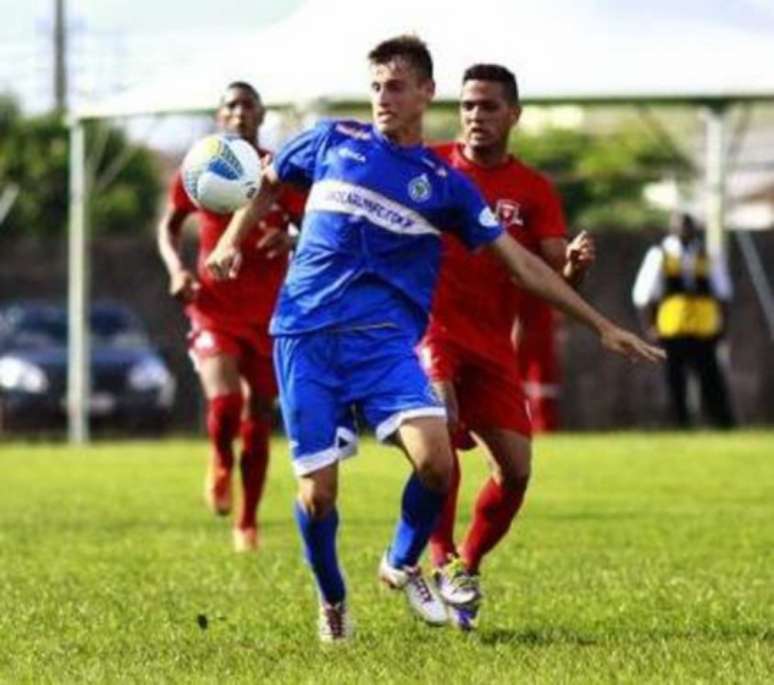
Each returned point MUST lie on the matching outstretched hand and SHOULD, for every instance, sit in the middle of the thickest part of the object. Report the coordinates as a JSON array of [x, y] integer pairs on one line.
[[224, 262], [631, 346], [183, 286], [581, 253]]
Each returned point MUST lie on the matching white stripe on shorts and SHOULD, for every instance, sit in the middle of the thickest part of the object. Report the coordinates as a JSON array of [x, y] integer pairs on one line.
[[387, 427], [309, 463]]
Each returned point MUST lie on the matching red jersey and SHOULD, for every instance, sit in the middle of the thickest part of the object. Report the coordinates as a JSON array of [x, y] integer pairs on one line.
[[249, 298], [476, 301]]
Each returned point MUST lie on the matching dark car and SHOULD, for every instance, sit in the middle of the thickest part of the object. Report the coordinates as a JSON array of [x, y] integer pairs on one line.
[[131, 385]]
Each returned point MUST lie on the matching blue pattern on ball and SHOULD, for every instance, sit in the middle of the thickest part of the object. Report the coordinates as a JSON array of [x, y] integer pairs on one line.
[[221, 167], [212, 155]]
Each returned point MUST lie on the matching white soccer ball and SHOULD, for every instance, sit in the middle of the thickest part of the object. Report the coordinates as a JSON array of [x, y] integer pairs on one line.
[[221, 173]]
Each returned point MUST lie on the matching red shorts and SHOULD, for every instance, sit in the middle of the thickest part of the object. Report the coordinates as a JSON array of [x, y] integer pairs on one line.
[[251, 346], [489, 395]]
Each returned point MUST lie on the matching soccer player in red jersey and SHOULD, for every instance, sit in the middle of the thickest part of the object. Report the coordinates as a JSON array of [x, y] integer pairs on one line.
[[228, 340], [467, 350]]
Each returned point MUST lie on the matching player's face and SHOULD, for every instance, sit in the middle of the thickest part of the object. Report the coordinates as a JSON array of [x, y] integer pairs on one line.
[[241, 114], [399, 97], [487, 116]]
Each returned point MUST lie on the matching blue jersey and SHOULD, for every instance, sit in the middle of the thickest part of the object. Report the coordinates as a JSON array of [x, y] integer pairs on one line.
[[370, 247]]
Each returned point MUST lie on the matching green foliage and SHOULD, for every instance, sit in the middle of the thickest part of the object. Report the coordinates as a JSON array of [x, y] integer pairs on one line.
[[9, 113], [601, 178], [638, 558], [34, 154]]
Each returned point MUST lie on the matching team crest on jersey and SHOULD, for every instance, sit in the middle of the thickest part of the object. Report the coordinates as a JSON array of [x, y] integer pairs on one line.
[[419, 188], [509, 213]]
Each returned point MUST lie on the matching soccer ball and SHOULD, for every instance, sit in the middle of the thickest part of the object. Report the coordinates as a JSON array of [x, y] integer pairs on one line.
[[221, 173]]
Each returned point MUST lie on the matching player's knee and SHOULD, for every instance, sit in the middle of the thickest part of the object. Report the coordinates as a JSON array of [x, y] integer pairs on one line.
[[511, 465], [515, 481], [317, 499], [436, 471], [513, 474]]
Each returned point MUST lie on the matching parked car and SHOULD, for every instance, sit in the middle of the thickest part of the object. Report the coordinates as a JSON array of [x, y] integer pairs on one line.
[[131, 385]]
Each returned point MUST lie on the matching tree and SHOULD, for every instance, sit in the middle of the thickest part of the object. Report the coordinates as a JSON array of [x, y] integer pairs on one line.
[[34, 154], [602, 178]]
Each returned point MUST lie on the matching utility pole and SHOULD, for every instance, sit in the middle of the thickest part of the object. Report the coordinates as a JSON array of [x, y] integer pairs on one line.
[[715, 177], [60, 56]]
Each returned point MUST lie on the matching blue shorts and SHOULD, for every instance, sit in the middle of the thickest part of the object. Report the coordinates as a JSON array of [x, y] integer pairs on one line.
[[325, 377]]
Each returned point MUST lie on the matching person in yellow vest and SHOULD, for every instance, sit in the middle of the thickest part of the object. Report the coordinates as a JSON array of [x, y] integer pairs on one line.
[[682, 294]]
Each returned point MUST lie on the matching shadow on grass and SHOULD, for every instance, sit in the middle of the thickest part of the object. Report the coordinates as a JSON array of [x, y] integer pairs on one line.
[[551, 637], [538, 638], [591, 515]]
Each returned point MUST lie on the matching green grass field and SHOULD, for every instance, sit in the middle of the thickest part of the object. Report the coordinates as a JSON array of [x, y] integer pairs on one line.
[[638, 558]]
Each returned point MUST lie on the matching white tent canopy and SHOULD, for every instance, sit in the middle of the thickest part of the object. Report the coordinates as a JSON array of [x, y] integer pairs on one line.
[[577, 50], [710, 53]]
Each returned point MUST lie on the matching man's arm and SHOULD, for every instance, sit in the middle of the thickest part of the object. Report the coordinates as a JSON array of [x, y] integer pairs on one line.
[[538, 278], [277, 242], [581, 253], [224, 261], [182, 283]]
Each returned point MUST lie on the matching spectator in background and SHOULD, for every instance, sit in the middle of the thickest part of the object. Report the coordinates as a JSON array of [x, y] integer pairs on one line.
[[682, 293]]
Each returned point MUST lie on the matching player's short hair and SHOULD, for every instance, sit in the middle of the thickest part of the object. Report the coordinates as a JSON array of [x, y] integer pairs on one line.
[[498, 74], [242, 85], [408, 47]]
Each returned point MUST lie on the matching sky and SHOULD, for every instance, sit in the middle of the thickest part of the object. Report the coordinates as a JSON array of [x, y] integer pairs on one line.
[[114, 43], [117, 44], [22, 20]]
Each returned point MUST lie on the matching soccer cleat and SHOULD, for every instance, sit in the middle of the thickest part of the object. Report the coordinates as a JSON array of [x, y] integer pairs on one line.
[[333, 624], [456, 586], [245, 539], [420, 594], [217, 490], [464, 618]]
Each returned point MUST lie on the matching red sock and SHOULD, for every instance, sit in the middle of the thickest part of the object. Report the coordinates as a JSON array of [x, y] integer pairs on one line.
[[253, 465], [223, 417], [442, 539], [494, 510]]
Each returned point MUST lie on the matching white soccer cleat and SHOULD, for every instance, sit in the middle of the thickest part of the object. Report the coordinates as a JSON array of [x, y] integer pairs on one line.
[[456, 586], [420, 594], [333, 624]]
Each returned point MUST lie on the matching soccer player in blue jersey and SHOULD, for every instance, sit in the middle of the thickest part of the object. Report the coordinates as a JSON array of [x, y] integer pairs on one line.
[[355, 303]]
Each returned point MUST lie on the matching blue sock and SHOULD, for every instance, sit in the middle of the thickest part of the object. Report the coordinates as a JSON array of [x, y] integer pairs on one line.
[[420, 508], [319, 536]]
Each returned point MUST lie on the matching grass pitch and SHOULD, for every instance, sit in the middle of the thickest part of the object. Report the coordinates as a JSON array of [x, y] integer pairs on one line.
[[637, 558]]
